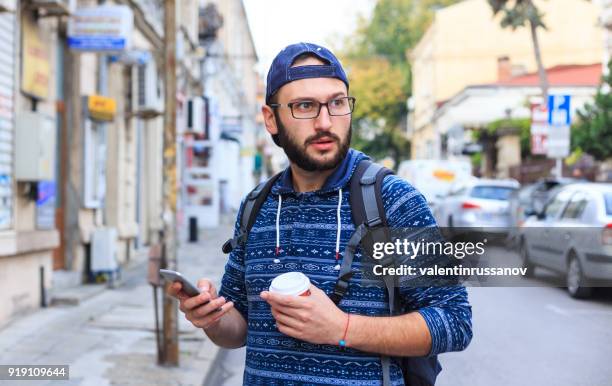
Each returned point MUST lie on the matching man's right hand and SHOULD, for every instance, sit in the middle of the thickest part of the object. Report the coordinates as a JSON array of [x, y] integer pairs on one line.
[[201, 310]]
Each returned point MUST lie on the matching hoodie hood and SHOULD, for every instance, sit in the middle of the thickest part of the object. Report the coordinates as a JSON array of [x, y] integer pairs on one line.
[[337, 180]]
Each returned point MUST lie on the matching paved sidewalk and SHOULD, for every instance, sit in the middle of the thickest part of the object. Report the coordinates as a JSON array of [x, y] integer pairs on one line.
[[109, 339]]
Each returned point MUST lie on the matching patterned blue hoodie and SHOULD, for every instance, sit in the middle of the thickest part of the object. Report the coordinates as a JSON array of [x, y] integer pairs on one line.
[[306, 231]]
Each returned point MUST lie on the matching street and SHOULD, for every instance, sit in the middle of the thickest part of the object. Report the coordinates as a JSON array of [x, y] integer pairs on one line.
[[522, 336]]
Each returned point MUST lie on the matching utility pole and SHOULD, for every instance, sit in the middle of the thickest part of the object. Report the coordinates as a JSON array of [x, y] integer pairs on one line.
[[170, 344]]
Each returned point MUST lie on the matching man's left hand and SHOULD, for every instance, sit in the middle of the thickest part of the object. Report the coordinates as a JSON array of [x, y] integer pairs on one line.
[[314, 318]]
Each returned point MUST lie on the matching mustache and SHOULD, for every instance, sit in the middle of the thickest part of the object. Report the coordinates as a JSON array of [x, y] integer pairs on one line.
[[322, 135]]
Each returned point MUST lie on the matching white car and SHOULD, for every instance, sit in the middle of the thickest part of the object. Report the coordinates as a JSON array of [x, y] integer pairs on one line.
[[434, 178], [572, 236], [482, 203]]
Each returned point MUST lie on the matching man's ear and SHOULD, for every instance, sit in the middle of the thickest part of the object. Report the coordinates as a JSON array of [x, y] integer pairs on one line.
[[269, 119]]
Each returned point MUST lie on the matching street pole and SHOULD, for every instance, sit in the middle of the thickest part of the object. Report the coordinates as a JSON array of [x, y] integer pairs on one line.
[[559, 167], [170, 349]]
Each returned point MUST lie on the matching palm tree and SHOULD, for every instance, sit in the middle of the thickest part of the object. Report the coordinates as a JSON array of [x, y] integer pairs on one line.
[[517, 13]]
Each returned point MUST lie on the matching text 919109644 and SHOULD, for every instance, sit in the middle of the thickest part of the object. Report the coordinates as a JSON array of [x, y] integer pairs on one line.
[[34, 372]]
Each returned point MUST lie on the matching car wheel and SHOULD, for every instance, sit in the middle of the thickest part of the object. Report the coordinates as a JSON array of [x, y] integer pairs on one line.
[[575, 280], [526, 262]]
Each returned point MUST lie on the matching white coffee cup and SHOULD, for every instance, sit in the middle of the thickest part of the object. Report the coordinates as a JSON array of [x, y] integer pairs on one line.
[[291, 283]]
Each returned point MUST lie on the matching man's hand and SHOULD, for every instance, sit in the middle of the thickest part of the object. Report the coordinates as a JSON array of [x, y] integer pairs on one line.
[[201, 310], [314, 318]]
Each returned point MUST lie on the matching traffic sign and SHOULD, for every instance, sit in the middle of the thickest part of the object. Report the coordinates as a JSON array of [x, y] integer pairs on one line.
[[559, 110], [559, 119]]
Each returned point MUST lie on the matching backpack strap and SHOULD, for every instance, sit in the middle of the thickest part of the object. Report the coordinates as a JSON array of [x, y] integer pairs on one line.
[[250, 210], [371, 212], [368, 215]]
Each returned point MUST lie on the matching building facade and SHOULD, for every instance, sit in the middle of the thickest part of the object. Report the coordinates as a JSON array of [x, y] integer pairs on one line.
[[81, 141], [465, 45]]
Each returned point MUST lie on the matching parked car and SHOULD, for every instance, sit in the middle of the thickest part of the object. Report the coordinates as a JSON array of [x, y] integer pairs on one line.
[[531, 199], [434, 178], [572, 236], [482, 203]]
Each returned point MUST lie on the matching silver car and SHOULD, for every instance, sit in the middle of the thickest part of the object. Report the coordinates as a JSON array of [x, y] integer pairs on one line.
[[572, 236], [479, 203]]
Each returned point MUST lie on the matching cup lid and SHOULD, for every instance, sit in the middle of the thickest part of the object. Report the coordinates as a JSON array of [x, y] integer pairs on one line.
[[290, 283]]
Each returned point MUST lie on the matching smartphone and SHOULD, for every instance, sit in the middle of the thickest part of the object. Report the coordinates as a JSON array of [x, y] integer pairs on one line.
[[188, 287]]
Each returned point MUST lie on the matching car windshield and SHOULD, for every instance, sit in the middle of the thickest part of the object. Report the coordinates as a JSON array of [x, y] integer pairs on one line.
[[492, 192], [608, 200]]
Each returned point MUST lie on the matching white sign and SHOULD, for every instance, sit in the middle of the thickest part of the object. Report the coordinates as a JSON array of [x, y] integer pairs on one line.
[[558, 143], [107, 28], [539, 129]]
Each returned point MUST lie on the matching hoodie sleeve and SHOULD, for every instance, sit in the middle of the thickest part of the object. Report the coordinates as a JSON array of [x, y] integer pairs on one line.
[[446, 309], [233, 286]]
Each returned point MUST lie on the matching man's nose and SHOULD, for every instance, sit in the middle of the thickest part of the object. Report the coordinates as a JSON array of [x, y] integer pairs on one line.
[[323, 121]]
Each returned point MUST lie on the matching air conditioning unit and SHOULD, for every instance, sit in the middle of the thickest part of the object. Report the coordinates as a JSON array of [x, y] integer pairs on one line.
[[54, 7], [149, 102], [8, 5], [195, 115], [104, 250]]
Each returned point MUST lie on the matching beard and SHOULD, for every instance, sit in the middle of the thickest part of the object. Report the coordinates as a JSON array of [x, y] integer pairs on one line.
[[297, 152]]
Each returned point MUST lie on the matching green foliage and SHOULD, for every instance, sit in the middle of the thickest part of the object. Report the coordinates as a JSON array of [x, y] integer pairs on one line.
[[476, 159], [517, 13], [521, 125], [380, 74], [593, 131]]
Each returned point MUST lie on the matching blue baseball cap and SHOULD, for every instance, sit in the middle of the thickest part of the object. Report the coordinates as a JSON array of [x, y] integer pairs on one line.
[[281, 72]]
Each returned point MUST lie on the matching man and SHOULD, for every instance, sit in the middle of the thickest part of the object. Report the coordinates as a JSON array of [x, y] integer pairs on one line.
[[304, 225]]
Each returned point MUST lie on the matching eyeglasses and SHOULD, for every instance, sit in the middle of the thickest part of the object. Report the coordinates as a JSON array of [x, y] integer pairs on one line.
[[309, 109]]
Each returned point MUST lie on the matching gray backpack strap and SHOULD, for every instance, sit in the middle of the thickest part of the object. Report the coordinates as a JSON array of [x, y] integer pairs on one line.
[[250, 210], [368, 213], [375, 217]]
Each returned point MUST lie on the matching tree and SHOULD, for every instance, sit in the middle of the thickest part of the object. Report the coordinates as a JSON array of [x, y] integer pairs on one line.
[[380, 75], [517, 13], [593, 131]]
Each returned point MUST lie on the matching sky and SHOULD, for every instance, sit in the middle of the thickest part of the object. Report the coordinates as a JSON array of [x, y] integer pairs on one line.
[[278, 23]]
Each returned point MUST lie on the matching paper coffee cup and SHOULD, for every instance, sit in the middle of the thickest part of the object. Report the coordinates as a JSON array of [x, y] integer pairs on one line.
[[291, 283]]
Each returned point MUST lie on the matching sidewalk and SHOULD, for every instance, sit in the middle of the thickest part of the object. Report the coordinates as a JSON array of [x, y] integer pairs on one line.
[[109, 339]]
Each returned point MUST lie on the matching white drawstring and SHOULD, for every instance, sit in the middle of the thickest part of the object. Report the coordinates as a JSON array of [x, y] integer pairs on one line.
[[280, 201], [339, 227]]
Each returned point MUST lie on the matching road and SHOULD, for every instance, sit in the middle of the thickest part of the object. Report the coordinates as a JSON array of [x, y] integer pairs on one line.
[[522, 336]]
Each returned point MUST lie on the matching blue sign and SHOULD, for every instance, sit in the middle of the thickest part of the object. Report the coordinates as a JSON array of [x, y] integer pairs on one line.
[[559, 110], [96, 43], [45, 205], [101, 28]]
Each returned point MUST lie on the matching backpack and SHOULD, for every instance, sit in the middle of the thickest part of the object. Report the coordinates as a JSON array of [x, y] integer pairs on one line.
[[370, 220]]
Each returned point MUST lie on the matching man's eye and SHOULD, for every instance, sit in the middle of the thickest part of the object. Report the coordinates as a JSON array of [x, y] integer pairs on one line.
[[305, 105], [338, 102]]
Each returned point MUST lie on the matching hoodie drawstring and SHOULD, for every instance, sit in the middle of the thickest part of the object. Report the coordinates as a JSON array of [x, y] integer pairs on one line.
[[338, 229], [280, 203]]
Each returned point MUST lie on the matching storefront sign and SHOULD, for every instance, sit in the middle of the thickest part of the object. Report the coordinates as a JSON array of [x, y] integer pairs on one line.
[[35, 62], [132, 57], [106, 28], [45, 205], [101, 108]]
